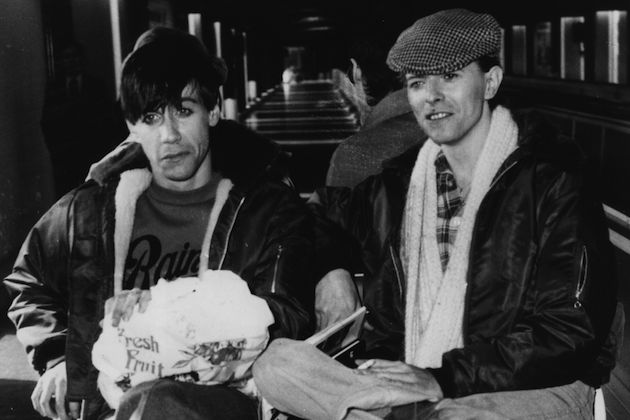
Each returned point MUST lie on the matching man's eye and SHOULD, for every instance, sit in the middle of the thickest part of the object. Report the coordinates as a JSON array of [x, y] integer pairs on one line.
[[151, 118], [449, 76], [415, 83], [184, 112]]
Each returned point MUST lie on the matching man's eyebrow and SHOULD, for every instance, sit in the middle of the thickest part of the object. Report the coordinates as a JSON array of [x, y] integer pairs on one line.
[[189, 98]]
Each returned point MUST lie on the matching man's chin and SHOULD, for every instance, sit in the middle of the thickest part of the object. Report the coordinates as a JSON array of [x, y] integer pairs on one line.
[[176, 173], [175, 182], [440, 137], [178, 177]]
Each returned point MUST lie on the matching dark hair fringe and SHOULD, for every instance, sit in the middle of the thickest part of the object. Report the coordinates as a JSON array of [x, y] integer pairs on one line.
[[155, 75]]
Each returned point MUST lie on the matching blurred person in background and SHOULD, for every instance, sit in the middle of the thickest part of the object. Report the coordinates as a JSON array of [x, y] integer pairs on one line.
[[387, 124]]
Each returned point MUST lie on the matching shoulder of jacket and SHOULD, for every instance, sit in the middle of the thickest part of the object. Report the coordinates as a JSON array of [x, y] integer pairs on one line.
[[270, 187], [91, 192]]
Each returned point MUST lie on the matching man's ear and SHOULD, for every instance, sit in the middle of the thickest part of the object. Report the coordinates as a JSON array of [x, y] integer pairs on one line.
[[493, 77], [214, 116]]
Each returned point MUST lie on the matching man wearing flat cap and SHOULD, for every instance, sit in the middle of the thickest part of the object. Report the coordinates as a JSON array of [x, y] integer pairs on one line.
[[486, 258], [201, 194]]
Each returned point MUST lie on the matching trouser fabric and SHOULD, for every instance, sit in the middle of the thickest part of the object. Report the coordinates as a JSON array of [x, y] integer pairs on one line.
[[298, 379]]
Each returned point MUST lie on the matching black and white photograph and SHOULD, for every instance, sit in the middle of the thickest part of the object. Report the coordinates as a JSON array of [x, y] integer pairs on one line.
[[314, 210]]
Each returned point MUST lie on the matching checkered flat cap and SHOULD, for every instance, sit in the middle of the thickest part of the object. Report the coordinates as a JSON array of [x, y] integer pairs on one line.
[[445, 41]]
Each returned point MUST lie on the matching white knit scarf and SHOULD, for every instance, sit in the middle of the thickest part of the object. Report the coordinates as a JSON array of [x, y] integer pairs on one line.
[[435, 298]]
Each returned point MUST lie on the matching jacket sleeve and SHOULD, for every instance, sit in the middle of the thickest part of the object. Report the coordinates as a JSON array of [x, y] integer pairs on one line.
[[565, 310], [283, 273], [330, 222], [37, 286], [354, 233], [335, 247]]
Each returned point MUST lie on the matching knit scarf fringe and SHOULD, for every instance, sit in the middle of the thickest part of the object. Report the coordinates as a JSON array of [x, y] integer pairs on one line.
[[435, 298]]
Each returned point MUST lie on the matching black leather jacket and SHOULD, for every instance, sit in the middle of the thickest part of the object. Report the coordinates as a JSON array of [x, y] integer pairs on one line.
[[541, 292], [64, 272]]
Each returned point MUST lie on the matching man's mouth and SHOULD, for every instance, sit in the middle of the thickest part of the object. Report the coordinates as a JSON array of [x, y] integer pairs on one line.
[[173, 155], [437, 116]]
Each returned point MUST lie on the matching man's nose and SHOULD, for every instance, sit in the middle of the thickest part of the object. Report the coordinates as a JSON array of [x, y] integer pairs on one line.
[[170, 129], [434, 90]]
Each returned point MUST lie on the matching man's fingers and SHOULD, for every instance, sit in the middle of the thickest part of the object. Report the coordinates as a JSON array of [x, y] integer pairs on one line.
[[393, 376], [118, 305], [60, 408], [387, 376], [35, 397], [132, 298], [45, 398], [386, 364], [74, 409], [60, 398], [109, 304], [145, 298], [121, 305]]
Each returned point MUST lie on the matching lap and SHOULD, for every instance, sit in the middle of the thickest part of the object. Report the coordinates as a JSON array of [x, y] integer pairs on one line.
[[169, 399], [298, 379], [567, 402]]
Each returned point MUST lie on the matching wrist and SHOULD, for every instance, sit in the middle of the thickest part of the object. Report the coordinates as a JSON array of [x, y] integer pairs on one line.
[[54, 362]]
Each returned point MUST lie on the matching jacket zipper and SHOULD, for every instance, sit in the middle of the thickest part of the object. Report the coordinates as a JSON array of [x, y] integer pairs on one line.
[[229, 234], [275, 269], [581, 278], [396, 269]]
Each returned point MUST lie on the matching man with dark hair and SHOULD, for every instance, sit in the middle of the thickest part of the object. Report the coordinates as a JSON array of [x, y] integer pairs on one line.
[[488, 267], [204, 194], [388, 126]]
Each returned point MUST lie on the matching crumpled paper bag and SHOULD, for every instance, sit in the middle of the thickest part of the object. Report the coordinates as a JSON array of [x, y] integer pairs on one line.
[[208, 331]]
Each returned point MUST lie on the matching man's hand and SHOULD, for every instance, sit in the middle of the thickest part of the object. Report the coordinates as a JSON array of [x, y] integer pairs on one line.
[[336, 297], [112, 162], [405, 374], [122, 304], [49, 396]]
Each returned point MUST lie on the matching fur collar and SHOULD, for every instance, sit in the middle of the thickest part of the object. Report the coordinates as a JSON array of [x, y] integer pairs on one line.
[[132, 184]]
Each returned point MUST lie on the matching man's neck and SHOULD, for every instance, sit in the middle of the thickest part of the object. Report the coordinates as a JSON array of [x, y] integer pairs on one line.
[[463, 155]]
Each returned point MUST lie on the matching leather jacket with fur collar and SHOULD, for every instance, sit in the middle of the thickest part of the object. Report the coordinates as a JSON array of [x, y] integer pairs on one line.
[[64, 272]]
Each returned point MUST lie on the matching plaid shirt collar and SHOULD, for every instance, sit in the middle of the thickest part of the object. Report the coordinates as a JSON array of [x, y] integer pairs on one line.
[[450, 204]]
